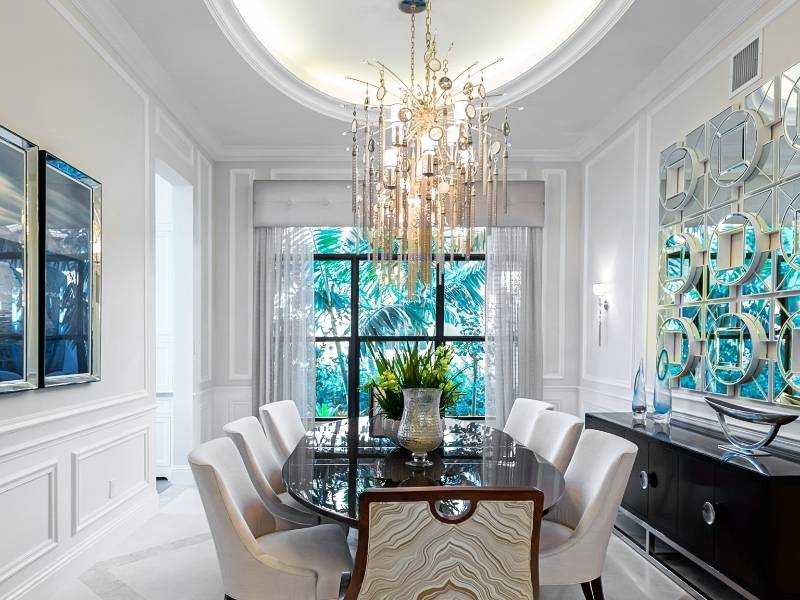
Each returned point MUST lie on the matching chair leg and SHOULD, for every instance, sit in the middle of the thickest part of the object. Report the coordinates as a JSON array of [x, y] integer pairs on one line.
[[587, 591], [597, 589]]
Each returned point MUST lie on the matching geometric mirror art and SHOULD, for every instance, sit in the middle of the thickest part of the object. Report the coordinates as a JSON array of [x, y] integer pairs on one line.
[[70, 224], [729, 248], [19, 166]]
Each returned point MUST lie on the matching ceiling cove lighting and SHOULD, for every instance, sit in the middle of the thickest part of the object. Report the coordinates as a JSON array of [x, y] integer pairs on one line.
[[425, 154]]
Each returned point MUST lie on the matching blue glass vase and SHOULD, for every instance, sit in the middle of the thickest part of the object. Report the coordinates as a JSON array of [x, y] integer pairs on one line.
[[639, 401], [662, 393]]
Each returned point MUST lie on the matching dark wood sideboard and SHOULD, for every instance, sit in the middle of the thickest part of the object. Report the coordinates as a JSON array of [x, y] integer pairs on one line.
[[727, 525]]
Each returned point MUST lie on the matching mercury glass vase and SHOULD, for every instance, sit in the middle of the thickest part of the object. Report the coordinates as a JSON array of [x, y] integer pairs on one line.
[[421, 428]]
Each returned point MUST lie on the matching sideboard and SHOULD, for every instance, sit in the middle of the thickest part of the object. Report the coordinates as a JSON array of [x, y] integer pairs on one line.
[[726, 524]]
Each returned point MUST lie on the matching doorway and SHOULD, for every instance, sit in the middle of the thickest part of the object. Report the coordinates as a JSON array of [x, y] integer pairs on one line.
[[174, 219]]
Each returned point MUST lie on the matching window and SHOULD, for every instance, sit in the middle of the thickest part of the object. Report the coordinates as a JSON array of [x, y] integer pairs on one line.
[[354, 307]]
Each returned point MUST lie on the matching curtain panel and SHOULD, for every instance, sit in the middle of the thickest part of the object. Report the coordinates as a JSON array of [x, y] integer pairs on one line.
[[283, 352], [514, 359]]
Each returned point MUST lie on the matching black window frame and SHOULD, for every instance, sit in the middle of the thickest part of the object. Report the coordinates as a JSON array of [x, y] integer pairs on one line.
[[354, 339]]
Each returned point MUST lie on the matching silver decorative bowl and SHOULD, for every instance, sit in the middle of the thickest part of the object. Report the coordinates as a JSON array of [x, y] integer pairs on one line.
[[751, 412]]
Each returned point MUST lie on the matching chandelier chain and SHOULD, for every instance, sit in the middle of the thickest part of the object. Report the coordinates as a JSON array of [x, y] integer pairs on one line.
[[413, 40]]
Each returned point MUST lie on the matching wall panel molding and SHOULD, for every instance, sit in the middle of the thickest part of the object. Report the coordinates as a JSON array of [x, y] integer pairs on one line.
[[80, 521], [170, 133], [549, 202], [240, 293], [633, 131], [31, 554], [206, 270]]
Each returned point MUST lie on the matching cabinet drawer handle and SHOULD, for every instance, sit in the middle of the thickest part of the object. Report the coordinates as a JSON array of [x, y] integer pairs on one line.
[[644, 480], [709, 514]]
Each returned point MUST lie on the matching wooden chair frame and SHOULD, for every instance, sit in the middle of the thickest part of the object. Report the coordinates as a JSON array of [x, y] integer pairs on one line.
[[435, 494]]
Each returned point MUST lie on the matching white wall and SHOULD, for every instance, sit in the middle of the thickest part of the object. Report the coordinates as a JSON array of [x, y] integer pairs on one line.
[[76, 463], [621, 210], [233, 249]]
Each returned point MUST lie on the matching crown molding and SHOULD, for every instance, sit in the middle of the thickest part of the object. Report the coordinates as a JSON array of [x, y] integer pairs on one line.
[[242, 38], [115, 30], [701, 42]]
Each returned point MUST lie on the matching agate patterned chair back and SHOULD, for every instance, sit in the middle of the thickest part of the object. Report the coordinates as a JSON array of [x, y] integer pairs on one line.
[[408, 550]]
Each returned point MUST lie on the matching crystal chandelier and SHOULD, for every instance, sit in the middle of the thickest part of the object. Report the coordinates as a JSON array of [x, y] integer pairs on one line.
[[423, 154]]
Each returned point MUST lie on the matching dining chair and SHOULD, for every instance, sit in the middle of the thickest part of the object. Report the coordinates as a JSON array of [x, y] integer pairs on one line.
[[256, 560], [523, 414], [265, 474], [554, 436], [410, 547], [283, 426], [577, 530]]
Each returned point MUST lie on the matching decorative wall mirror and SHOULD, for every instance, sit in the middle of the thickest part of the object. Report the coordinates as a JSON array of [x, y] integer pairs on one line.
[[791, 113], [19, 172], [736, 348], [680, 263], [789, 351], [737, 247], [70, 278], [680, 172], [679, 337], [736, 148]]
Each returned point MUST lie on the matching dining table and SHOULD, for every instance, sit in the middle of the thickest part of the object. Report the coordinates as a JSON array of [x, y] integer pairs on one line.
[[336, 461]]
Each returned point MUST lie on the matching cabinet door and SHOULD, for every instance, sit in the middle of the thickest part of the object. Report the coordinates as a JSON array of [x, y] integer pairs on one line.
[[662, 506], [740, 517], [635, 498], [696, 493]]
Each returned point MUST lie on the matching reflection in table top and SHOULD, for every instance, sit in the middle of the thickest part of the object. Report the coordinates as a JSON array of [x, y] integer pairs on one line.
[[328, 474]]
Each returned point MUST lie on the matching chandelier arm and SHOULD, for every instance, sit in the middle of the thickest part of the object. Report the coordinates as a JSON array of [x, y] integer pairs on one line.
[[393, 74], [457, 77]]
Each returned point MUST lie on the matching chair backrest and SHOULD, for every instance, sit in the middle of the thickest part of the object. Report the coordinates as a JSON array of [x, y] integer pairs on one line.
[[489, 551], [235, 512], [554, 436], [523, 414], [595, 483], [283, 426]]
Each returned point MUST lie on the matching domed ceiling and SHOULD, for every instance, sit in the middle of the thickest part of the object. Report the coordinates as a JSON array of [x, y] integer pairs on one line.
[[321, 42]]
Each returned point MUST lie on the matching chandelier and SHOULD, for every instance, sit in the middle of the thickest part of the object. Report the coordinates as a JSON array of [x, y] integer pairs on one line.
[[424, 154]]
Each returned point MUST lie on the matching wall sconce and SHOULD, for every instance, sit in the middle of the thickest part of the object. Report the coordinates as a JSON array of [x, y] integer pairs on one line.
[[600, 290]]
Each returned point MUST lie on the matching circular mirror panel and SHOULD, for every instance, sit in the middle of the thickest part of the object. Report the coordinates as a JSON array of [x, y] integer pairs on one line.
[[735, 348], [736, 148], [678, 337], [680, 263], [789, 351], [737, 247], [791, 115], [678, 177], [790, 237]]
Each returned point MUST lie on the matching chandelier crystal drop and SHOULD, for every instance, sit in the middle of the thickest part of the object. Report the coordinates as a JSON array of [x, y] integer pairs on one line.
[[424, 153]]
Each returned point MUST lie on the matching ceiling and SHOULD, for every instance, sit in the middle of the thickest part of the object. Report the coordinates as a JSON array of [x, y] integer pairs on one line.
[[246, 107], [323, 45]]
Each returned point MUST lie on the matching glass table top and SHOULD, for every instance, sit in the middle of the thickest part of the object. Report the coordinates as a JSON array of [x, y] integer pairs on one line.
[[327, 473]]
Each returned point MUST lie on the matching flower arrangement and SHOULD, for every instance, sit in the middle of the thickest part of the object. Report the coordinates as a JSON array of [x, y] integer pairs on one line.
[[410, 368]]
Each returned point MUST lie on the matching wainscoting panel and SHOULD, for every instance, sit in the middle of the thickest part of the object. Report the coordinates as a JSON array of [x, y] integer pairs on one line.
[[107, 474], [30, 533]]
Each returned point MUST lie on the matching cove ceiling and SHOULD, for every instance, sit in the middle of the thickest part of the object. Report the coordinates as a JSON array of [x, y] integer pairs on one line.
[[322, 42], [231, 104]]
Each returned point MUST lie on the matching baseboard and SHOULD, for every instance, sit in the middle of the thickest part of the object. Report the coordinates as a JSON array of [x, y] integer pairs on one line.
[[181, 475], [48, 581]]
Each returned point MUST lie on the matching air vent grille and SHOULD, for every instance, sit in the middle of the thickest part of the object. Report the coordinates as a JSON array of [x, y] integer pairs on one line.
[[745, 66]]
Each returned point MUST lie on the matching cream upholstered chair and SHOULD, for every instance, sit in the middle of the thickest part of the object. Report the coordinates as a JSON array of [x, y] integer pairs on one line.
[[523, 414], [407, 550], [258, 562], [577, 530], [554, 436], [265, 473], [283, 426]]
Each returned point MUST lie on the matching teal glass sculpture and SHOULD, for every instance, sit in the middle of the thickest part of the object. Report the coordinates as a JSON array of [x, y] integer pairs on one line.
[[639, 401], [662, 393]]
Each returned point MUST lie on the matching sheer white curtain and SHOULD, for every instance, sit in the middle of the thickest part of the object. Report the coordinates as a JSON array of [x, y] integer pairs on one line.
[[284, 318], [514, 360]]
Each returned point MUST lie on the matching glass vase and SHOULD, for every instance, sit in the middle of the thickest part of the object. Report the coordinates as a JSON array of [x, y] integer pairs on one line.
[[639, 401], [662, 393], [421, 428]]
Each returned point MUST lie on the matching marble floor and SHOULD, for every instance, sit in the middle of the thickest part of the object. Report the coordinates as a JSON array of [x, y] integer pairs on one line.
[[172, 557]]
